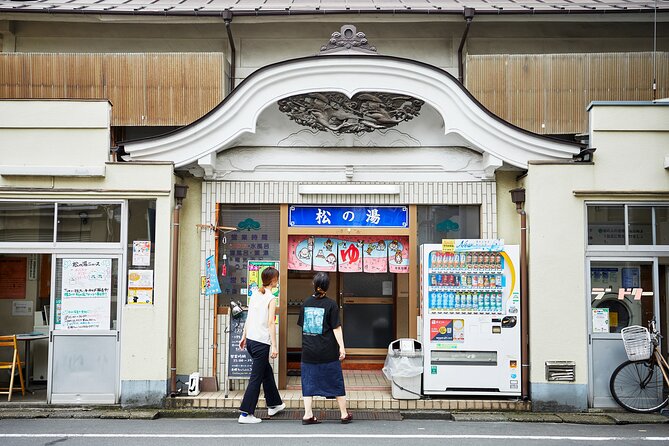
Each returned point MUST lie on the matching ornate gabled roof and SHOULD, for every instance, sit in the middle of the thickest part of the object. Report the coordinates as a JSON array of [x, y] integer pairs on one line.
[[276, 7], [466, 123]]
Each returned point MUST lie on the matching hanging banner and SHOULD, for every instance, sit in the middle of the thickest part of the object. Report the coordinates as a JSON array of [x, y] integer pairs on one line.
[[325, 256], [398, 255], [300, 251], [375, 255], [349, 253], [86, 294], [211, 286]]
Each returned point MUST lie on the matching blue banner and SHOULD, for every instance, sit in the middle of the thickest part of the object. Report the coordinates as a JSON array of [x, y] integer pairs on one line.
[[211, 285], [349, 216]]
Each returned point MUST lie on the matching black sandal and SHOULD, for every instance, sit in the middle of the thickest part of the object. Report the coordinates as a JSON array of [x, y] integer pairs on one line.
[[312, 420], [347, 419]]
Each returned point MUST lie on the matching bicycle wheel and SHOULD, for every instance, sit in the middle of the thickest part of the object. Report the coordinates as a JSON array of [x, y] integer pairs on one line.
[[639, 386]]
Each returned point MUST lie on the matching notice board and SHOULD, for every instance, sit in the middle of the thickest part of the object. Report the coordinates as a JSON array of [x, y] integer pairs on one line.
[[239, 361]]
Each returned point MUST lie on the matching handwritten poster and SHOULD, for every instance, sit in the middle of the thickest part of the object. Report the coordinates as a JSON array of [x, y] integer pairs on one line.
[[86, 294], [141, 253]]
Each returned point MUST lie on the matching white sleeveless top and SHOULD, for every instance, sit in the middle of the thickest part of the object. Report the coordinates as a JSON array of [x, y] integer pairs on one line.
[[256, 320]]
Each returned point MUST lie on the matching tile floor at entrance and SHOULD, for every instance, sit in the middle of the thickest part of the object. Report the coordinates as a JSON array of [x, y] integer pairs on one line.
[[365, 390]]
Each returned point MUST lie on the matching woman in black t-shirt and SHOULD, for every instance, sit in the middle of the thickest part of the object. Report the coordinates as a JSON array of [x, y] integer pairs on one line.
[[322, 351]]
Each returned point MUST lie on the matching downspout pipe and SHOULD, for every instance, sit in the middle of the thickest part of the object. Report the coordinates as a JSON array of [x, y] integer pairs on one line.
[[180, 192], [227, 18], [518, 197], [469, 16]]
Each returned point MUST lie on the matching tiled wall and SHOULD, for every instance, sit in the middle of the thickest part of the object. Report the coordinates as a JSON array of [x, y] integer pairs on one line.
[[276, 192]]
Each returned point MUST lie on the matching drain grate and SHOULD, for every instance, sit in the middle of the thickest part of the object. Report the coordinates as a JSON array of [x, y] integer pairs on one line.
[[332, 415]]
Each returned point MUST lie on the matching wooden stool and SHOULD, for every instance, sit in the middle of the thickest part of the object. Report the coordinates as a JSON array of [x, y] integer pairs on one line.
[[10, 341]]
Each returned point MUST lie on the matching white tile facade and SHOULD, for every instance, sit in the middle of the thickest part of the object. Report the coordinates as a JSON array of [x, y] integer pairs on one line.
[[279, 192]]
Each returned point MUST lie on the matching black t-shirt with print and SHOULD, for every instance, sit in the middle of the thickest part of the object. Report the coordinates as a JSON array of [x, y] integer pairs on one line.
[[318, 317]]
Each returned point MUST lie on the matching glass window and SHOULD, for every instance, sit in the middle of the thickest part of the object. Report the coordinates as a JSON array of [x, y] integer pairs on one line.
[[622, 295], [84, 222], [256, 237], [606, 225], [26, 222], [662, 225], [439, 222], [640, 221], [141, 251]]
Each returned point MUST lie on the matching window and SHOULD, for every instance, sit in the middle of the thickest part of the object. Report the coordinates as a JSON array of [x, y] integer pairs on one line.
[[86, 222], [439, 222], [26, 222], [256, 237], [646, 224]]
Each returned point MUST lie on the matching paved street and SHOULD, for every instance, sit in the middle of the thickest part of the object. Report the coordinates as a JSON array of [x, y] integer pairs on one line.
[[96, 432]]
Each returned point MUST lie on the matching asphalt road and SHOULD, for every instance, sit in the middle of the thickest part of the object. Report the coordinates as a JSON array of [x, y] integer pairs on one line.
[[197, 432]]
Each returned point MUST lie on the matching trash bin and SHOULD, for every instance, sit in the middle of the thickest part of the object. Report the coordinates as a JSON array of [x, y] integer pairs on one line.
[[404, 368]]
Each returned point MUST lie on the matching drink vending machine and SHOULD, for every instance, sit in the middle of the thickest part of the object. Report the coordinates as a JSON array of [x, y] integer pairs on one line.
[[470, 306]]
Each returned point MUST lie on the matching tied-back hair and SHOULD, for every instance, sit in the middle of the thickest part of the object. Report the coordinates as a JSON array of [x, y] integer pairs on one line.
[[321, 284], [267, 275]]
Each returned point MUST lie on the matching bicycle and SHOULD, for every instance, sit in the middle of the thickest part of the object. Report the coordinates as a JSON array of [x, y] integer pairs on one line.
[[641, 384]]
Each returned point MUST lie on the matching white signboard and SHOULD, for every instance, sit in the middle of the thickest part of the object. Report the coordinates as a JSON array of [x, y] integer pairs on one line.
[[86, 294], [22, 308]]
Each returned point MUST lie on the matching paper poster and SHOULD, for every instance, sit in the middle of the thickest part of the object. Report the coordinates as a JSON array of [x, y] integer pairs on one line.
[[86, 294], [254, 271], [141, 253], [300, 249], [349, 253], [447, 330], [375, 255], [211, 286], [22, 308], [600, 320], [325, 257], [140, 286], [398, 255]]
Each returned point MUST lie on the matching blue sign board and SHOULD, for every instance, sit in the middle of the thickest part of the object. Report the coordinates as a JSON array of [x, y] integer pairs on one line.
[[211, 285], [349, 216]]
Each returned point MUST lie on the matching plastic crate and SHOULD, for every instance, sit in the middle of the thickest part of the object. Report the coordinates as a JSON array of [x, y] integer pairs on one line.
[[638, 345]]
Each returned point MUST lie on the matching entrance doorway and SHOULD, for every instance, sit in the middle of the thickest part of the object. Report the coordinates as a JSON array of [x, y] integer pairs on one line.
[[623, 293], [367, 311]]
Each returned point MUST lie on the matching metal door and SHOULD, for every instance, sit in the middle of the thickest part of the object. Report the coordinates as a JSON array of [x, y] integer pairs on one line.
[[622, 294], [84, 329], [368, 312]]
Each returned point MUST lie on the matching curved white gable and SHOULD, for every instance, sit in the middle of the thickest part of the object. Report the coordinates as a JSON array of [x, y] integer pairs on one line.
[[464, 118]]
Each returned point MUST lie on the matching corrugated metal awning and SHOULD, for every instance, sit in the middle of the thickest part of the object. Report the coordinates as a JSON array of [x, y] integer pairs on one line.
[[276, 7]]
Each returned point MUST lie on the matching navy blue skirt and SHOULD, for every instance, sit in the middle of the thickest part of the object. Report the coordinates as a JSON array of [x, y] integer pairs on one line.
[[323, 380]]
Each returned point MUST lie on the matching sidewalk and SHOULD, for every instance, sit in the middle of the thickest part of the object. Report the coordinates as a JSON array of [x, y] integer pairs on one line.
[[116, 412]]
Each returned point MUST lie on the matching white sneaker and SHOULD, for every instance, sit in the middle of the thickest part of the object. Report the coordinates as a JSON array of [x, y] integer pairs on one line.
[[276, 409], [248, 419]]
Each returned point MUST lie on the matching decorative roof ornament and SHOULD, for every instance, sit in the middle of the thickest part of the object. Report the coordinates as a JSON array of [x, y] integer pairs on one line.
[[337, 113], [347, 41]]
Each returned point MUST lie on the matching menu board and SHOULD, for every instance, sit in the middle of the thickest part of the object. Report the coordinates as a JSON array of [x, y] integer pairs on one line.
[[86, 294], [239, 361]]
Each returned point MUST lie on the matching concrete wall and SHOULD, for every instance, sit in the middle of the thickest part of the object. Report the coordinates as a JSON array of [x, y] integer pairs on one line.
[[631, 144]]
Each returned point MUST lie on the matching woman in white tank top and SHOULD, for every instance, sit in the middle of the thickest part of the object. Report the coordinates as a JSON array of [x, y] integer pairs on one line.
[[259, 339]]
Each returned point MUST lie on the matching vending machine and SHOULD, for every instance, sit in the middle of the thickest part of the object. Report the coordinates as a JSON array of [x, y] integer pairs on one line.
[[470, 306]]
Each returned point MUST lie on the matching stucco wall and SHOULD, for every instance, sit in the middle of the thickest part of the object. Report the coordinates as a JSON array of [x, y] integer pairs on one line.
[[188, 315], [631, 144]]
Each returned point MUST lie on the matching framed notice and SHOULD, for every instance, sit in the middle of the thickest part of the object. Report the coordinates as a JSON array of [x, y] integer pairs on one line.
[[600, 320], [86, 294]]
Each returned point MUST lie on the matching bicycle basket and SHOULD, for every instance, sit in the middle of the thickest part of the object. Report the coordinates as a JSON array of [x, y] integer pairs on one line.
[[637, 343]]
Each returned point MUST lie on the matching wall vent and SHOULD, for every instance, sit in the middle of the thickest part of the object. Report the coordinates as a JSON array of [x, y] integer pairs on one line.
[[561, 371]]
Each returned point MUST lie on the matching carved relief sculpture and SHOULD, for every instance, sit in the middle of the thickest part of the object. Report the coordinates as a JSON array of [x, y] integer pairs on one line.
[[365, 112]]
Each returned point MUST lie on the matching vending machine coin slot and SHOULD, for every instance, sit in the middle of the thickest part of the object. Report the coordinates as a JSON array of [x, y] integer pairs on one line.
[[509, 321]]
